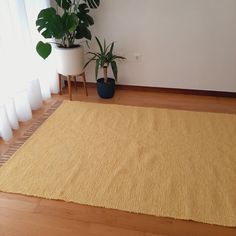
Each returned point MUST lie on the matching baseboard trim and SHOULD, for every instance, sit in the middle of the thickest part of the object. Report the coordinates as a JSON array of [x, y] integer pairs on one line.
[[179, 91], [171, 90]]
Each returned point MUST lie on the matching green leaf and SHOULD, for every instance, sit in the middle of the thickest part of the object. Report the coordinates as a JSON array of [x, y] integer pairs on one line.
[[118, 57], [72, 22], [83, 7], [114, 69], [104, 46], [112, 47], [95, 54], [97, 68], [90, 60], [50, 24], [83, 32], [100, 45], [85, 19], [44, 49], [90, 20], [109, 56], [87, 44], [64, 4], [93, 3]]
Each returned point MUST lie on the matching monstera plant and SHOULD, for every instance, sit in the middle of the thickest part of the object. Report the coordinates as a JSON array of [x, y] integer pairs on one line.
[[70, 21]]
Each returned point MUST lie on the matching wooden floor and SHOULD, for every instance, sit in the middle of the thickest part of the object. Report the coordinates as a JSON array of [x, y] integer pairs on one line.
[[28, 216]]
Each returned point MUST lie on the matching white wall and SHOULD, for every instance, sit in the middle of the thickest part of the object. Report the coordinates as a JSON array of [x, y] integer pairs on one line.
[[179, 43]]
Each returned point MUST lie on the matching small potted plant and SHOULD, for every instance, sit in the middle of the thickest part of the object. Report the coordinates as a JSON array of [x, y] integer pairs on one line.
[[66, 28], [103, 59]]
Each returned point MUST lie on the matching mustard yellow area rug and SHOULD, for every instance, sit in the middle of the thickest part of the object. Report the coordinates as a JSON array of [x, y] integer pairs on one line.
[[168, 163]]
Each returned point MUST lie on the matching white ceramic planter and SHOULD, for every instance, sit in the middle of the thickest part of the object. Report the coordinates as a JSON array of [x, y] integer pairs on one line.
[[69, 61]]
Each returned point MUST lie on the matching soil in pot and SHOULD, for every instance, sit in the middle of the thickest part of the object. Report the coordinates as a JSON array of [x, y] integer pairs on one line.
[[106, 90]]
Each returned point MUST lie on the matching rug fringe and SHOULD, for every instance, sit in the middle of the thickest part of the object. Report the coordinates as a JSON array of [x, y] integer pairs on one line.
[[15, 146]]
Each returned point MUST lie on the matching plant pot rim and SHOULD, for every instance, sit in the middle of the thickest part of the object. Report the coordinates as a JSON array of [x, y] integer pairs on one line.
[[71, 48], [102, 78]]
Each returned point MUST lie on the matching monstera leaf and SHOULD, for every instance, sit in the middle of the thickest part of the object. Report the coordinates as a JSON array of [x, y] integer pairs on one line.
[[84, 17], [93, 3], [70, 22], [85, 20], [83, 32], [50, 24], [44, 49], [65, 4]]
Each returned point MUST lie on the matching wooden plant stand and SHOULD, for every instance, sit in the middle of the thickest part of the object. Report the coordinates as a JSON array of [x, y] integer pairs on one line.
[[73, 77]]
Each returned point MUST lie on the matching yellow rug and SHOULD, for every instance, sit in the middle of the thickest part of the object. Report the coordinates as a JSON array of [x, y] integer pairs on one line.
[[161, 162]]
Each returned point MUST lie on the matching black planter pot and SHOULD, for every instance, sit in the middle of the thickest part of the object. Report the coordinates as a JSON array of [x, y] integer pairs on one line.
[[106, 90]]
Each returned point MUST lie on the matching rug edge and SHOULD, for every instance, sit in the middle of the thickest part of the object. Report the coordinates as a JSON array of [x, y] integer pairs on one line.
[[29, 132]]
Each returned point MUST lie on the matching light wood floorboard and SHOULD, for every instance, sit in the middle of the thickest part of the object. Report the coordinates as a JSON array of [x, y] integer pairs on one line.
[[29, 216]]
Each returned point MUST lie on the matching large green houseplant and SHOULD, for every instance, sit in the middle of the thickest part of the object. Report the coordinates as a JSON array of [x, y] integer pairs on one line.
[[68, 22], [103, 59], [66, 27]]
